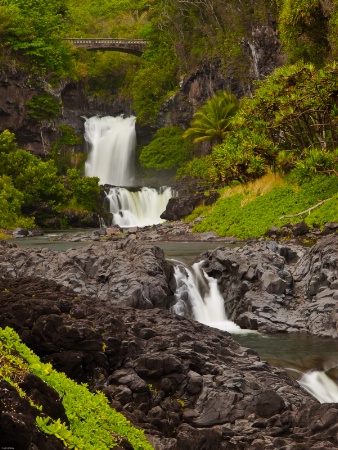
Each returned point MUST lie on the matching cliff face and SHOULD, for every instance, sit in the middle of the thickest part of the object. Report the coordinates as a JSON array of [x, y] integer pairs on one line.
[[261, 55], [17, 88]]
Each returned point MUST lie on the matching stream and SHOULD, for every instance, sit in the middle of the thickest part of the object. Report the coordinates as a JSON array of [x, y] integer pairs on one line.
[[111, 140], [312, 361]]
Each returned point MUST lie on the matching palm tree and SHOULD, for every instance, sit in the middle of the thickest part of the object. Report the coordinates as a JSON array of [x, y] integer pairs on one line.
[[213, 121]]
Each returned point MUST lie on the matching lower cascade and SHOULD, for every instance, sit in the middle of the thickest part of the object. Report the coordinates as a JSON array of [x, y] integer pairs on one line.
[[138, 208], [198, 297], [111, 158]]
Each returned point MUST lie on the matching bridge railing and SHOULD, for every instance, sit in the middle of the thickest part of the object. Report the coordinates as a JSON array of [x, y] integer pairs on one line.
[[106, 41]]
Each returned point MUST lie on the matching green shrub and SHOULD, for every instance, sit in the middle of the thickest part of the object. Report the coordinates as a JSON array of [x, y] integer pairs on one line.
[[197, 167], [92, 422], [84, 191], [303, 27], [167, 150], [11, 202], [43, 107], [62, 152], [35, 34]]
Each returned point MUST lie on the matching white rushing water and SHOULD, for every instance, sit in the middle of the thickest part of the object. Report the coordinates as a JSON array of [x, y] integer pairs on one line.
[[198, 297], [319, 385], [138, 208], [112, 142]]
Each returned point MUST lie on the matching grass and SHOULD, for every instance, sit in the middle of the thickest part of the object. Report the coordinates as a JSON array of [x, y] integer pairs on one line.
[[247, 211]]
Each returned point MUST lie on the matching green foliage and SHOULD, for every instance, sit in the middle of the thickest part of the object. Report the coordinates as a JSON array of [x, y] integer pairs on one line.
[[35, 179], [84, 191], [63, 153], [11, 202], [233, 216], [167, 150], [27, 183], [7, 142], [197, 168], [43, 107], [213, 121], [242, 156], [303, 27], [156, 79], [92, 421], [316, 161], [297, 106], [35, 33]]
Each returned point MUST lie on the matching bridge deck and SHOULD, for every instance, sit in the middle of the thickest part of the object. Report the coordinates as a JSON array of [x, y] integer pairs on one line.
[[133, 46]]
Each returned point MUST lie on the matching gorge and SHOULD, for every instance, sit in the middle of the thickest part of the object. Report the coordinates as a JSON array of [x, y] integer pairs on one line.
[[148, 361], [216, 332]]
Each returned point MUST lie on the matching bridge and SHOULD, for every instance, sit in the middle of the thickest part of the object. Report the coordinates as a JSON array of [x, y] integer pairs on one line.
[[132, 46]]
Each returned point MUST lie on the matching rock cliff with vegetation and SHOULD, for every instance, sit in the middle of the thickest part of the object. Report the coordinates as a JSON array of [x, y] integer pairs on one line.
[[239, 100]]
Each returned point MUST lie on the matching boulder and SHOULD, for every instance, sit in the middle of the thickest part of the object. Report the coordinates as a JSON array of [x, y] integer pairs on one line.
[[277, 288], [126, 272]]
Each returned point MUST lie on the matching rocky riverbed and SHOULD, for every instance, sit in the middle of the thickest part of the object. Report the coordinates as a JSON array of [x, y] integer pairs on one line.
[[275, 287], [187, 385], [99, 313]]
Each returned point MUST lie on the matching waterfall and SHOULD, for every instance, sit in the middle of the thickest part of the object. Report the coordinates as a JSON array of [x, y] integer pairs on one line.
[[112, 142], [138, 208], [198, 297], [319, 385]]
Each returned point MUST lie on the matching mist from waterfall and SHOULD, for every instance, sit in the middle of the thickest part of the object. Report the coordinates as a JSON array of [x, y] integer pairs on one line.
[[198, 297], [112, 142], [111, 158]]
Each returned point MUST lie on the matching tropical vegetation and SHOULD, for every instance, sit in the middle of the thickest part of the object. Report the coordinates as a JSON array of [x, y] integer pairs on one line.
[[288, 123], [93, 424], [29, 184]]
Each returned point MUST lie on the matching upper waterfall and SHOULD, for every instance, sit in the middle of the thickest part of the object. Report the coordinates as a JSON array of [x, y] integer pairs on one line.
[[112, 143]]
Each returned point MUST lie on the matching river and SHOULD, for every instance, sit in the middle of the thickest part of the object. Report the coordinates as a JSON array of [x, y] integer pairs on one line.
[[312, 361], [111, 140]]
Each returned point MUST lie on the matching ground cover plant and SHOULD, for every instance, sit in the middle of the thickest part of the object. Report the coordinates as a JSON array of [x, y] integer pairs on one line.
[[93, 424], [243, 214]]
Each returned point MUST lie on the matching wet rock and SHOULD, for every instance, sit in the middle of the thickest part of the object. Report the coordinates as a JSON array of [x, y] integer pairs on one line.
[[275, 288], [126, 273], [186, 384], [20, 232], [273, 283], [179, 207]]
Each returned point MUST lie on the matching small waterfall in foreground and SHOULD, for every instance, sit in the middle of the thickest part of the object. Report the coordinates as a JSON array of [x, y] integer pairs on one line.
[[112, 142], [318, 384], [197, 297]]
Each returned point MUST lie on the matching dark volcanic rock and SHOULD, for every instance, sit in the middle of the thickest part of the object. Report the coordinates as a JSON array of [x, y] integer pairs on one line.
[[187, 385], [18, 429], [125, 272], [279, 288], [179, 207]]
